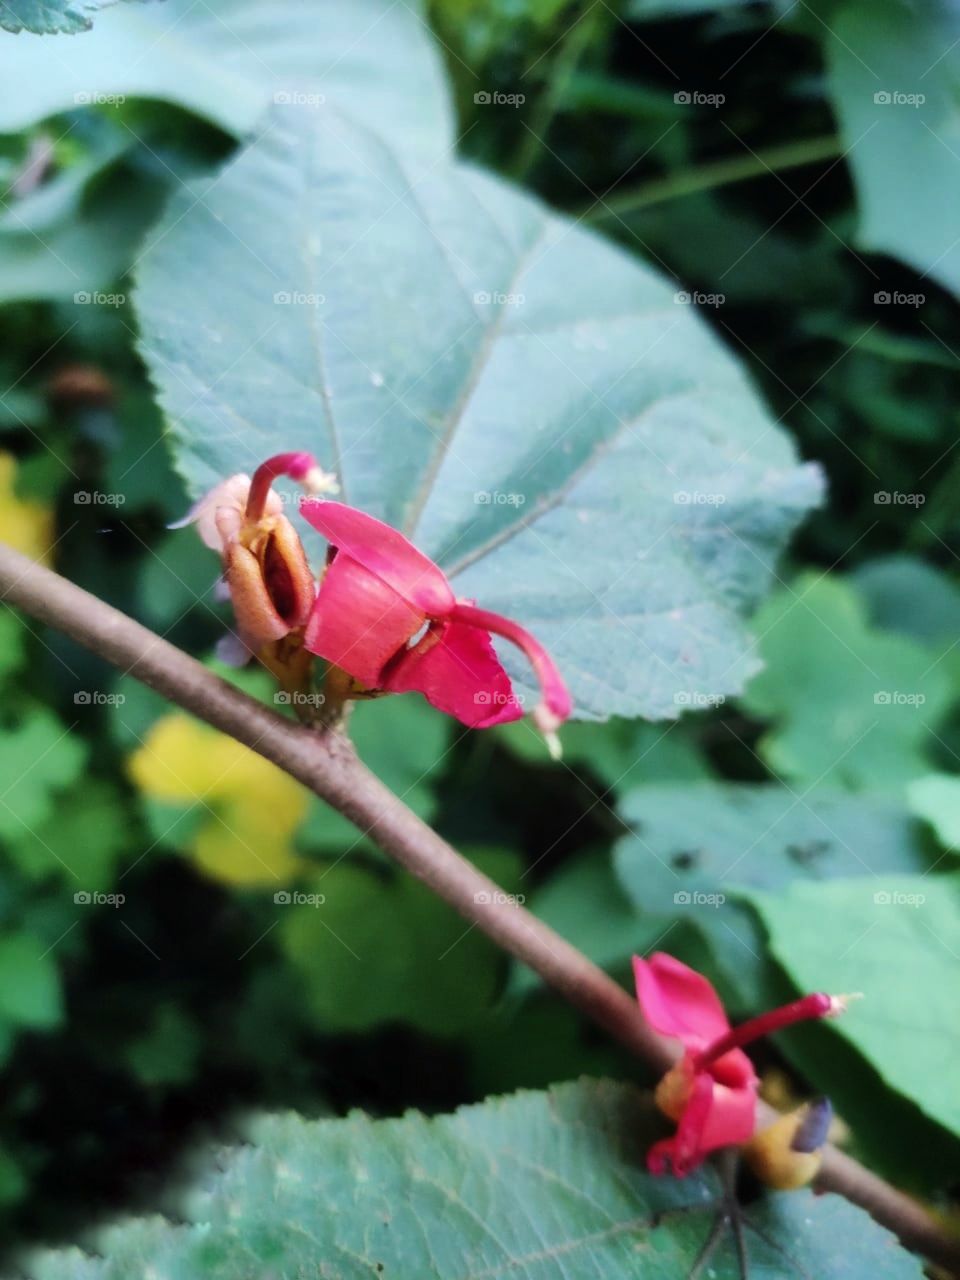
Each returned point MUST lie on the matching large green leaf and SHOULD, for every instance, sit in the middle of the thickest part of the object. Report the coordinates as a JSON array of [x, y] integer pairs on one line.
[[523, 398], [893, 939], [537, 1186], [688, 841], [894, 72], [227, 60], [692, 851]]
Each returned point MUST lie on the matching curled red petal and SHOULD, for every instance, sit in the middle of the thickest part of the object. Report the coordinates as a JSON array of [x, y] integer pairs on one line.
[[384, 551], [458, 672], [358, 622]]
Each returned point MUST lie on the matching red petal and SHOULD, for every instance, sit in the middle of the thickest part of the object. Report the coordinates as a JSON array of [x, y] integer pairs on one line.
[[459, 674], [359, 622], [678, 1001], [385, 552]]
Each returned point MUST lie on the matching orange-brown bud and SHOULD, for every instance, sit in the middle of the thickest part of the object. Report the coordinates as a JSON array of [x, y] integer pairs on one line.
[[271, 586]]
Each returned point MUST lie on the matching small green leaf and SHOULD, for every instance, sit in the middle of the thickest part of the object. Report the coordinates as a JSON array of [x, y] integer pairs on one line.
[[845, 700], [37, 756], [82, 842], [536, 1186], [376, 948]]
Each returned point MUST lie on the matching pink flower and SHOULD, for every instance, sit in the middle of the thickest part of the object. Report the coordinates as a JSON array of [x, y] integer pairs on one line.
[[386, 614], [712, 1091]]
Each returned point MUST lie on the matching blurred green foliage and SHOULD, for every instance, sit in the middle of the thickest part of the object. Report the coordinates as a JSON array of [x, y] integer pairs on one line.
[[147, 996]]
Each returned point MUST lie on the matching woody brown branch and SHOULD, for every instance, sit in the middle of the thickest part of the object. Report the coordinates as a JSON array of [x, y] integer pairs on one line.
[[327, 764]]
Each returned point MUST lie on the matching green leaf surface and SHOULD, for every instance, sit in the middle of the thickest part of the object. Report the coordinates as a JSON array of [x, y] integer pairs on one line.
[[379, 947], [227, 60], [537, 1186], [81, 843], [689, 840], [906, 594], [936, 799], [29, 982], [526, 401], [894, 76], [48, 17], [80, 259], [893, 939], [693, 850], [586, 905], [37, 756], [846, 700], [619, 753]]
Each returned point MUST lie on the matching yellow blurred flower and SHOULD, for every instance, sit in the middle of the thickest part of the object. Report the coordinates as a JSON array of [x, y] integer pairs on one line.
[[253, 808], [24, 525]]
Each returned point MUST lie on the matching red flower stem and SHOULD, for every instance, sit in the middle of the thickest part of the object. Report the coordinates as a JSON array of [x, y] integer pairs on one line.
[[817, 1005], [294, 465], [327, 764]]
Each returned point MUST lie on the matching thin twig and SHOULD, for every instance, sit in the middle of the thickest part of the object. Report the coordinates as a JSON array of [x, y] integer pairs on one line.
[[327, 764]]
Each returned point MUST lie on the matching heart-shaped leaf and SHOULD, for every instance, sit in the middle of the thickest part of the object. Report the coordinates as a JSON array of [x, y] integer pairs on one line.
[[537, 1186], [535, 408]]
